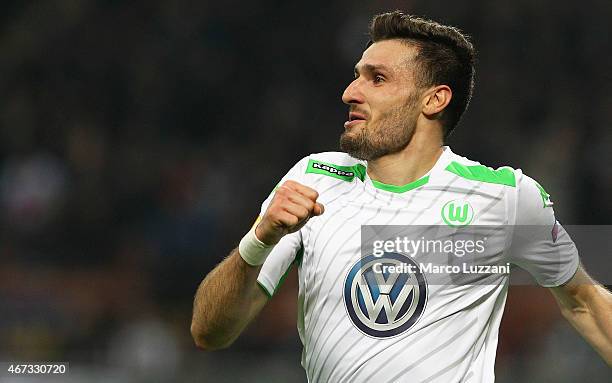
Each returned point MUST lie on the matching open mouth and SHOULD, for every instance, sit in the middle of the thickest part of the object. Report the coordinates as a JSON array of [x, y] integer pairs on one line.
[[354, 118]]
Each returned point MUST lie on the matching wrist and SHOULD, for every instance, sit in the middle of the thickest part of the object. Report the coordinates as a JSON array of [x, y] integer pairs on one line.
[[253, 250], [268, 240]]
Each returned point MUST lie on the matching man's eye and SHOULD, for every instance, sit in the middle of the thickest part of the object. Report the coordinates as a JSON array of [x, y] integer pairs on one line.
[[378, 79]]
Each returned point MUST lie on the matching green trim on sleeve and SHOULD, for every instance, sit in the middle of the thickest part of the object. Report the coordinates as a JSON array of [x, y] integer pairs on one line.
[[299, 255], [296, 261], [282, 280], [344, 173], [263, 288], [501, 176], [403, 188]]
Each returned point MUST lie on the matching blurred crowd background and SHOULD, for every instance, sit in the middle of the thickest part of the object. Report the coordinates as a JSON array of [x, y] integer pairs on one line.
[[138, 139]]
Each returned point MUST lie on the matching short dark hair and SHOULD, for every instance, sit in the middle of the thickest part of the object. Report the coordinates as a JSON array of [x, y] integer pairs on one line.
[[445, 57]]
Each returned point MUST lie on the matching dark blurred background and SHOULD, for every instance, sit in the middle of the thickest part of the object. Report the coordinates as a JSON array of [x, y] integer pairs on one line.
[[138, 139]]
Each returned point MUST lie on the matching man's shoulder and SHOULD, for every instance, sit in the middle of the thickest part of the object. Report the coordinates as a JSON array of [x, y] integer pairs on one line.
[[505, 176], [336, 166], [336, 158], [475, 172]]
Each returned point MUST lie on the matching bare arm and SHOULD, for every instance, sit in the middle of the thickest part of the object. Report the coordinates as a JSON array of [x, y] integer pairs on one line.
[[588, 307], [229, 298], [226, 302]]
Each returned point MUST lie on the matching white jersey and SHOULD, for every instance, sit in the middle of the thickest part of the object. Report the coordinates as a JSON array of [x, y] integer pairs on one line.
[[359, 328]]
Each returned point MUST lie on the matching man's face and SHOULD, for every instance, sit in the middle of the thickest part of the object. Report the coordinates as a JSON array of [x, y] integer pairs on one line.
[[383, 101]]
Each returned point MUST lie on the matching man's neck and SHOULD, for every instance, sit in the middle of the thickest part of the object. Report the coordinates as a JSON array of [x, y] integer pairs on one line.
[[408, 165]]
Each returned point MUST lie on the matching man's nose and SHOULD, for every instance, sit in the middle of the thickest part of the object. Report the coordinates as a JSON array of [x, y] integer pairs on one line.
[[352, 94]]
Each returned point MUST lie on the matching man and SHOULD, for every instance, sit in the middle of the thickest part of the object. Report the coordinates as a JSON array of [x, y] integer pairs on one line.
[[411, 87]]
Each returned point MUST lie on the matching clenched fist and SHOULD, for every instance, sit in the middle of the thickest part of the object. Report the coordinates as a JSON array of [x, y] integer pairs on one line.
[[290, 209]]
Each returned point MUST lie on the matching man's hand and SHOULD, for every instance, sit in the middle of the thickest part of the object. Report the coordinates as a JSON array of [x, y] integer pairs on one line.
[[290, 209]]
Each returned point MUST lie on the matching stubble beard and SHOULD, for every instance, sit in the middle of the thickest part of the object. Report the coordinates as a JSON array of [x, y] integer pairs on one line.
[[390, 134]]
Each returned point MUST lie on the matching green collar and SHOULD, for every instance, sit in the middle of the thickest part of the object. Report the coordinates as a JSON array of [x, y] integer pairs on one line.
[[400, 189]]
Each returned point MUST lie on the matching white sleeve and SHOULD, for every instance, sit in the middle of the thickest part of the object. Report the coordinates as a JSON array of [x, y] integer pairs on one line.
[[540, 244], [279, 261]]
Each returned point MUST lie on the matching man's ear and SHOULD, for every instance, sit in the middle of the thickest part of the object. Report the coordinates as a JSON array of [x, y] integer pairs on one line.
[[436, 100]]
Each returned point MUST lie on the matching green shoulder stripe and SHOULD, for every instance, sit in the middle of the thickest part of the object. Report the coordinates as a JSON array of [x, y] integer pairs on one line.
[[501, 176], [344, 173]]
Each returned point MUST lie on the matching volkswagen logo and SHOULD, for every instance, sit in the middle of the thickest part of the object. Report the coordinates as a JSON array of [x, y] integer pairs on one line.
[[385, 296]]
